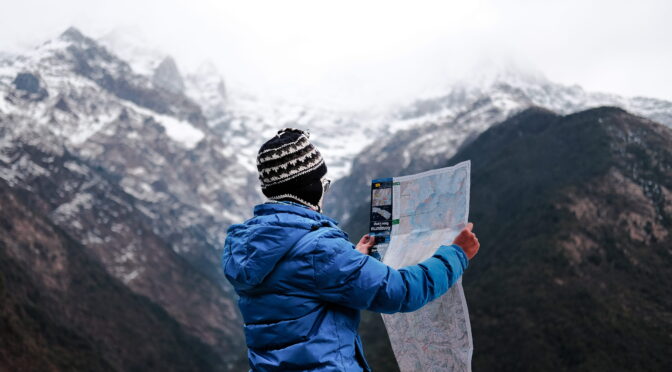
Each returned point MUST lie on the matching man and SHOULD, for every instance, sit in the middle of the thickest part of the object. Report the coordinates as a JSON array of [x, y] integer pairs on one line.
[[302, 283]]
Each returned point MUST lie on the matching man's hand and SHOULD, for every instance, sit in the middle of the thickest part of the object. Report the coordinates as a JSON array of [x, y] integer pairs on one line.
[[468, 241], [366, 243]]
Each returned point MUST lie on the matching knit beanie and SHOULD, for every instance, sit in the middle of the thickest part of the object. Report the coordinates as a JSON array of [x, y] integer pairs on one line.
[[290, 168]]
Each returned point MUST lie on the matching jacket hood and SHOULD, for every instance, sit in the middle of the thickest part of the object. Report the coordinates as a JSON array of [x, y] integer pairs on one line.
[[253, 248]]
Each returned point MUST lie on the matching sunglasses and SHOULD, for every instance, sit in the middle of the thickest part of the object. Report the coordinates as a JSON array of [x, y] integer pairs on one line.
[[326, 182]]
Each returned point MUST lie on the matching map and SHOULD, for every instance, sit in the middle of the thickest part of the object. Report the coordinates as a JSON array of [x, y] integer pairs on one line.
[[411, 217]]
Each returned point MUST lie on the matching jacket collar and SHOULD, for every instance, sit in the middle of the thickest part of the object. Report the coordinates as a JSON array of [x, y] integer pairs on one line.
[[292, 208]]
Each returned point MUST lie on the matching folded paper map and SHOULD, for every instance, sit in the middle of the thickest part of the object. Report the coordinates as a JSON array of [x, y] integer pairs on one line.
[[411, 216]]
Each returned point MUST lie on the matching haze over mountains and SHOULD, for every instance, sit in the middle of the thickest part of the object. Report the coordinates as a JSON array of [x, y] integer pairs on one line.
[[113, 159]]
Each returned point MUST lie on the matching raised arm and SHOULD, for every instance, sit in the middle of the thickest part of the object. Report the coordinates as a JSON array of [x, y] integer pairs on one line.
[[347, 277]]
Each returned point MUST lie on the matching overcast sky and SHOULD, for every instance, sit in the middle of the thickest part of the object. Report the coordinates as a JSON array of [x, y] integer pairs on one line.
[[359, 53]]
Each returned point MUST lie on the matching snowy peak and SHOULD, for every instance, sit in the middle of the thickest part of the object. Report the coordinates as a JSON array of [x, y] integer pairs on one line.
[[73, 34], [511, 90], [429, 131], [72, 91], [167, 76], [243, 120]]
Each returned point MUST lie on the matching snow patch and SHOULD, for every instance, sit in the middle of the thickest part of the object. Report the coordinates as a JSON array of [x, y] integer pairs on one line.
[[180, 131], [71, 208], [208, 208], [92, 238], [130, 276], [74, 167]]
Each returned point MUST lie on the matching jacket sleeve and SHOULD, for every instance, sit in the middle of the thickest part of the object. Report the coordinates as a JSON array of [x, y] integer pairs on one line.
[[349, 278]]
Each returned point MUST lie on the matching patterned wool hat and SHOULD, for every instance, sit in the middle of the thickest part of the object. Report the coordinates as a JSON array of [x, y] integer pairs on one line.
[[291, 168]]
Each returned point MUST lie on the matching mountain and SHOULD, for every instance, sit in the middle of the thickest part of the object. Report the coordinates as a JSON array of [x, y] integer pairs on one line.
[[431, 130], [61, 310], [360, 146], [130, 171], [72, 90], [574, 215], [244, 120], [117, 231]]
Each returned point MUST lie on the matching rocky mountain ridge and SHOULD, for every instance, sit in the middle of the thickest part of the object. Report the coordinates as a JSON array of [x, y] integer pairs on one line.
[[438, 127], [73, 91], [86, 284], [575, 219], [133, 245], [574, 214]]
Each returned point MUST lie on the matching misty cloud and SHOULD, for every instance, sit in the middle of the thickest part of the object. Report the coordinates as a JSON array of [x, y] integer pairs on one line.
[[358, 54]]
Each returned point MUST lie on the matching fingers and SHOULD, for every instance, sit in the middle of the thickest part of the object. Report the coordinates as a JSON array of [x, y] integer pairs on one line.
[[468, 231], [367, 240], [466, 234]]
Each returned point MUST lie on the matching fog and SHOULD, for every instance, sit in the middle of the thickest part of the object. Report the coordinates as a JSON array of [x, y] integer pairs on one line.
[[358, 54]]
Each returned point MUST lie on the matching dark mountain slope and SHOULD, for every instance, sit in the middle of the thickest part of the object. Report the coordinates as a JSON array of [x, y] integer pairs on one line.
[[122, 234], [60, 310], [574, 214]]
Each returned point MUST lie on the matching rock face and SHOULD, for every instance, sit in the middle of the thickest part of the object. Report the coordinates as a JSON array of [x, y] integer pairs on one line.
[[30, 86], [168, 77], [129, 243], [574, 215], [60, 309]]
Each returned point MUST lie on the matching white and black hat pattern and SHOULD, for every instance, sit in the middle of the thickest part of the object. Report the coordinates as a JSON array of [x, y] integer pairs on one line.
[[287, 163]]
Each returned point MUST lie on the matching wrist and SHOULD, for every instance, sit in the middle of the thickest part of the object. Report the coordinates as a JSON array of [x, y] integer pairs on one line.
[[445, 251]]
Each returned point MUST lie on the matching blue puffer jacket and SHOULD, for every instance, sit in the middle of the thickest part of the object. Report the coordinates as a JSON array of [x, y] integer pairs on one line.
[[301, 286]]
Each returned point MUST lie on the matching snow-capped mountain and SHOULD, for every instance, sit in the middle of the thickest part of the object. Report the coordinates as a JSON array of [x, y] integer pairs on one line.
[[132, 171], [248, 122], [74, 91], [428, 132], [569, 211], [244, 121], [201, 114]]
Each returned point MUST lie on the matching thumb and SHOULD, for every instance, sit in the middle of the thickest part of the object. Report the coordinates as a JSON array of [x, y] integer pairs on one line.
[[469, 227]]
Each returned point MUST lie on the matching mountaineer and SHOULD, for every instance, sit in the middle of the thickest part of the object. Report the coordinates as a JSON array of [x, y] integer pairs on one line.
[[302, 283]]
